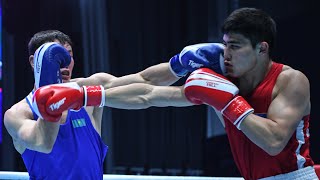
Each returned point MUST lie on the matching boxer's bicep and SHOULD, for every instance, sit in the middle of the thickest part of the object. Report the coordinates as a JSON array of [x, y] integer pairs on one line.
[[25, 131], [15, 121], [289, 107], [291, 104]]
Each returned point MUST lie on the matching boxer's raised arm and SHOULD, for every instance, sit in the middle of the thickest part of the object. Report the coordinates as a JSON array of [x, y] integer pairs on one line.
[[37, 135], [50, 101], [192, 57], [159, 74]]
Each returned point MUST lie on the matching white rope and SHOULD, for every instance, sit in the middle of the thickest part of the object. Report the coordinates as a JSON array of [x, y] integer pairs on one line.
[[24, 176], [13, 175]]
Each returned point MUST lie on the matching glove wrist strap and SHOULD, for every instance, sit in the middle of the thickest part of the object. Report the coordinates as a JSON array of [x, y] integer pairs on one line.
[[94, 96], [237, 110]]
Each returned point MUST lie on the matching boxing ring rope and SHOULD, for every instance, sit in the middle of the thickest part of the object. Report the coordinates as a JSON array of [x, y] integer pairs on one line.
[[24, 176]]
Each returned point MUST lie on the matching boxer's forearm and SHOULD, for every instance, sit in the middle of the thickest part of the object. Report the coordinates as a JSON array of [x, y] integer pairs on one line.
[[141, 96], [159, 75]]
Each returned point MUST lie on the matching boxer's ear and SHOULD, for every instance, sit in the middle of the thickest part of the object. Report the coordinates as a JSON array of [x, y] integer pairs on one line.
[[262, 47], [31, 58]]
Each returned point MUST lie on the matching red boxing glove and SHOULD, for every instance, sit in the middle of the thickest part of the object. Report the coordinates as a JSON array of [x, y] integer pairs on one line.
[[50, 101], [209, 87]]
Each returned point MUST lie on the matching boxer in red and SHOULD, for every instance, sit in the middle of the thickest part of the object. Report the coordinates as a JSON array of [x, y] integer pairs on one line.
[[265, 106]]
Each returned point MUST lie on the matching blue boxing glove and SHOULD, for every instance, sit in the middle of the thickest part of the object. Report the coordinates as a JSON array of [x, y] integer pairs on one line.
[[209, 55], [48, 59]]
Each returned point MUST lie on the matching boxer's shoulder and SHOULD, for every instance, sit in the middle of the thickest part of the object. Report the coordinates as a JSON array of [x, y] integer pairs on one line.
[[20, 109]]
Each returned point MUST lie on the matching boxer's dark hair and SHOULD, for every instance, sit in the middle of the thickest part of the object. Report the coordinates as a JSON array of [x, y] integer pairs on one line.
[[47, 36], [254, 24]]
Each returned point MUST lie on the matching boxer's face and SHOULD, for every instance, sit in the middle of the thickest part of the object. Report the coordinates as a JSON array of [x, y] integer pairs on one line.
[[240, 56], [65, 72]]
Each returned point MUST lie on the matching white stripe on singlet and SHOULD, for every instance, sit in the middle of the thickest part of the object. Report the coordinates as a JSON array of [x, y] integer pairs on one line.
[[300, 138], [29, 98]]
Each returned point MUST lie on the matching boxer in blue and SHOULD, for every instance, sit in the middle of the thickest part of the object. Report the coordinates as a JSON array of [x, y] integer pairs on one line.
[[51, 144], [70, 148]]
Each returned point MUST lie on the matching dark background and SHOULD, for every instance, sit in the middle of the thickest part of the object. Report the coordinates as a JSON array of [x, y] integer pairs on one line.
[[122, 37]]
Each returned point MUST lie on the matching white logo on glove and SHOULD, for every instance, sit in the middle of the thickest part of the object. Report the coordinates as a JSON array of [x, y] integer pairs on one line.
[[55, 106], [194, 64], [212, 84]]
